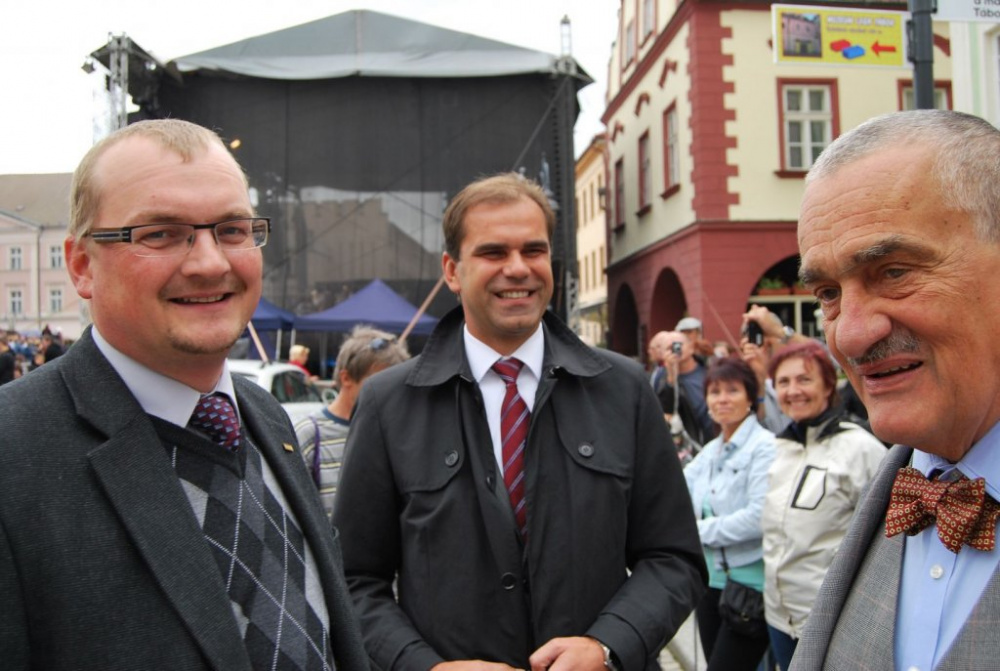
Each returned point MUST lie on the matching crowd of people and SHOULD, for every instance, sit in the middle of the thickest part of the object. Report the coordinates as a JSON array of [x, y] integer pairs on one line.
[[512, 498], [21, 354], [774, 477]]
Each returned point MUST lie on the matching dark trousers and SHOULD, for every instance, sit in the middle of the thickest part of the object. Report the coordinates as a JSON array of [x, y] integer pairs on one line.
[[724, 649], [782, 647]]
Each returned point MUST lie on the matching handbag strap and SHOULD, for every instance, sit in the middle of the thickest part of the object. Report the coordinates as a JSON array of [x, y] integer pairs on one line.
[[725, 564], [315, 464]]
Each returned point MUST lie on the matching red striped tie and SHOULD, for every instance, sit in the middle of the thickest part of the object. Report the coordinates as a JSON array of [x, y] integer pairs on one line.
[[514, 419]]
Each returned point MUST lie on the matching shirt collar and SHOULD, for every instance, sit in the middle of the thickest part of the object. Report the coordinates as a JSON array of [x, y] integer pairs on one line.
[[742, 434], [978, 462], [158, 394], [482, 357]]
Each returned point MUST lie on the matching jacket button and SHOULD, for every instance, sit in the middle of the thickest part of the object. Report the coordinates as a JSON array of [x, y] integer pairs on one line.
[[451, 458], [586, 450], [508, 581], [489, 481]]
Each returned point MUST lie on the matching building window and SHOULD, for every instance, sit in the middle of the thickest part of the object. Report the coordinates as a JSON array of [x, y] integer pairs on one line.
[[908, 97], [807, 123], [55, 256], [55, 301], [619, 194], [645, 173], [602, 260], [593, 269], [16, 302], [648, 17], [14, 258], [671, 171], [629, 43]]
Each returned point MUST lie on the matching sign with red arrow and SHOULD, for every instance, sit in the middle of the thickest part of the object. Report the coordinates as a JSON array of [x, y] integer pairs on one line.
[[822, 36]]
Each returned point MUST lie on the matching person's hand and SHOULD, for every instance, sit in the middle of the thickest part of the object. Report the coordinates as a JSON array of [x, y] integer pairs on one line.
[[769, 322], [670, 363], [756, 357], [576, 653], [473, 665]]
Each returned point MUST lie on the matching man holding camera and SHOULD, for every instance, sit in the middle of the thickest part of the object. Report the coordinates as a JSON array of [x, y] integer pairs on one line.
[[685, 387]]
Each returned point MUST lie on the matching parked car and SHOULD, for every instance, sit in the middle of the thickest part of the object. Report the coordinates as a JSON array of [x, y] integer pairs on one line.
[[287, 383]]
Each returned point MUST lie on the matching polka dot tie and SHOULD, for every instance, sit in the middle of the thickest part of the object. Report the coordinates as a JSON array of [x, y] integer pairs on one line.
[[215, 417], [963, 512], [514, 419]]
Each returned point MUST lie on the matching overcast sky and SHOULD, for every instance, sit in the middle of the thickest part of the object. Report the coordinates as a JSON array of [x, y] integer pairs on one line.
[[47, 103]]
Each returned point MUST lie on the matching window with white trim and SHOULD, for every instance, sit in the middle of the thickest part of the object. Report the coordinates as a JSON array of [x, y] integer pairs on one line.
[[619, 193], [55, 256], [55, 300], [629, 42], [645, 172], [648, 17], [15, 258], [807, 124], [671, 171], [15, 302], [910, 98]]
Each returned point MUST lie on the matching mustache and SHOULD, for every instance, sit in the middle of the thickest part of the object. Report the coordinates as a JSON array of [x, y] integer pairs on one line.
[[898, 342]]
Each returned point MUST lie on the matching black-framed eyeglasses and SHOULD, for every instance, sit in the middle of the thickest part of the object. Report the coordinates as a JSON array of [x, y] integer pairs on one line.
[[156, 240]]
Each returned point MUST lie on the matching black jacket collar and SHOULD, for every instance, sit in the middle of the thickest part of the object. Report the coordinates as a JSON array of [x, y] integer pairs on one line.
[[444, 355]]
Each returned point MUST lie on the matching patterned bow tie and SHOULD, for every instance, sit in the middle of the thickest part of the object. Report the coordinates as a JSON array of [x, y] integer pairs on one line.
[[963, 511]]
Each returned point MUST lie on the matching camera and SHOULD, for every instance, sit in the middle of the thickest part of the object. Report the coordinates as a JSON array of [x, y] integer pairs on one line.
[[755, 334], [676, 348]]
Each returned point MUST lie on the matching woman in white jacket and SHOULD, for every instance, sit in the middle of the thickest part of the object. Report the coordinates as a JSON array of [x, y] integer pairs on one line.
[[822, 465]]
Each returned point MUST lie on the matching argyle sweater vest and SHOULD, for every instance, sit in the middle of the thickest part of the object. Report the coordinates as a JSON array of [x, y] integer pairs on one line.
[[265, 564]]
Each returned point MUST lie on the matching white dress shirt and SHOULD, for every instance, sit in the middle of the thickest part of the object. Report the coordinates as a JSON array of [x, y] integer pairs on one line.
[[481, 359]]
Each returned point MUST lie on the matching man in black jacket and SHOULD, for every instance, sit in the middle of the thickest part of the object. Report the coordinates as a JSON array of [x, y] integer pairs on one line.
[[517, 486]]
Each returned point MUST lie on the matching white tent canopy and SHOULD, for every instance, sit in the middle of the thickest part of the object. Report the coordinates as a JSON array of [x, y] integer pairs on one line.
[[367, 43]]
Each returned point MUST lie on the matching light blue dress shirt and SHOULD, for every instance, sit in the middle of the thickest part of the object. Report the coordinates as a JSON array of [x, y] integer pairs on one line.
[[939, 589], [158, 394]]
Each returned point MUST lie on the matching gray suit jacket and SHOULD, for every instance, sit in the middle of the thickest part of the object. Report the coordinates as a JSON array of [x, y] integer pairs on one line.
[[102, 563], [852, 623]]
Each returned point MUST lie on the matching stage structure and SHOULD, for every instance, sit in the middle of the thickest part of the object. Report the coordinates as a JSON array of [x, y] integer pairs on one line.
[[356, 129]]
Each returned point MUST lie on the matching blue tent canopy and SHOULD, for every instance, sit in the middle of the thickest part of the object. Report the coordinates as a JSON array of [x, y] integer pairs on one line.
[[269, 317], [376, 304]]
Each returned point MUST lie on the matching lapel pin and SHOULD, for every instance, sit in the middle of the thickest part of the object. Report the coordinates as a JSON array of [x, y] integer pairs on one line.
[[288, 447]]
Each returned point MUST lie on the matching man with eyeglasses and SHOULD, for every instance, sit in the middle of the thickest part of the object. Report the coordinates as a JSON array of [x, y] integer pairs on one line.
[[509, 499], [154, 512]]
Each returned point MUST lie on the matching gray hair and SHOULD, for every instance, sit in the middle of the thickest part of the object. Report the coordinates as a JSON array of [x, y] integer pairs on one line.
[[365, 348], [966, 160]]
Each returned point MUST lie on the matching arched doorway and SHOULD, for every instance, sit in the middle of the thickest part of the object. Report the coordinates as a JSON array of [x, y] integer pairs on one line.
[[625, 335], [778, 290], [668, 302]]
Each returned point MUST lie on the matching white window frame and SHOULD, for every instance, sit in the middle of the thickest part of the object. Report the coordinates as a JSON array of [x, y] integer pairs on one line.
[[55, 256], [15, 302], [671, 167], [648, 17], [645, 172], [15, 258], [55, 300], [800, 154], [910, 98]]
